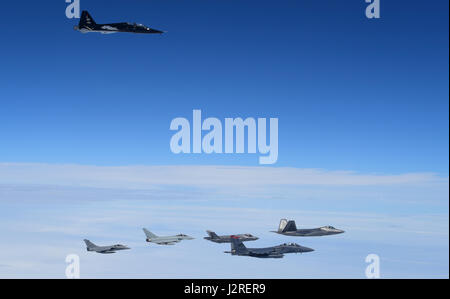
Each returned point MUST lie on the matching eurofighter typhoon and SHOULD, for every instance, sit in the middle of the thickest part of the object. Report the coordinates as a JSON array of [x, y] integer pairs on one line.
[[87, 24], [104, 249], [288, 228], [238, 248], [213, 237], [165, 240]]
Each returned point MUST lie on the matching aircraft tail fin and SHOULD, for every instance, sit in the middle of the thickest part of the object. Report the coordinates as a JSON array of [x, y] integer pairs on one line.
[[149, 234], [86, 20], [237, 245], [282, 225], [89, 244], [290, 227], [212, 234]]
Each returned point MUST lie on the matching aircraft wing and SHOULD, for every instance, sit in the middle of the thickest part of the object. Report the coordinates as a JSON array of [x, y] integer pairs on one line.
[[106, 251], [273, 254], [264, 251], [166, 242]]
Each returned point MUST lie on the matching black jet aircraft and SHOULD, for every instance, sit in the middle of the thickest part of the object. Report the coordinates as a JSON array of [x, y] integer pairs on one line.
[[238, 248], [87, 24]]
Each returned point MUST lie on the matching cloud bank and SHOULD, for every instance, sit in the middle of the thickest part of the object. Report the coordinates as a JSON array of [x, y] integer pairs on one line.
[[401, 217], [201, 176]]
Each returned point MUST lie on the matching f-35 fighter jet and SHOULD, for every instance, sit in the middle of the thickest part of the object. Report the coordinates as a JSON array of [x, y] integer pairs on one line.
[[87, 24], [288, 228], [166, 240], [104, 249], [227, 239], [238, 248]]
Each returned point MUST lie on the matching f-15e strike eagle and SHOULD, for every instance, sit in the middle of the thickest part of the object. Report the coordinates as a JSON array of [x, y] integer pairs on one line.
[[166, 240], [104, 249], [288, 228], [87, 24], [213, 237], [238, 248]]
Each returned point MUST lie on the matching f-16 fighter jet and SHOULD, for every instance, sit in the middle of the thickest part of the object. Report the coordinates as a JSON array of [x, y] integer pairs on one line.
[[227, 239], [238, 248], [87, 24], [288, 228], [104, 249], [167, 240]]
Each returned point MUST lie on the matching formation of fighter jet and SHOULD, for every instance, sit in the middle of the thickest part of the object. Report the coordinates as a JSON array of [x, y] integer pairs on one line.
[[87, 24], [165, 240], [238, 248], [104, 249], [288, 228], [213, 237]]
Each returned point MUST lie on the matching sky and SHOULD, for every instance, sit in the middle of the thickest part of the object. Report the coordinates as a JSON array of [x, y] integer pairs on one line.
[[363, 135]]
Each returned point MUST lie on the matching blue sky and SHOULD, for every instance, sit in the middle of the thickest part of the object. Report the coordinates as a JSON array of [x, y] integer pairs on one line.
[[350, 93], [363, 126]]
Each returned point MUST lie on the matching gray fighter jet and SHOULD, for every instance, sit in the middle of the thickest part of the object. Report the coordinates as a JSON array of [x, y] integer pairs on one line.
[[238, 248], [288, 228], [213, 237], [104, 249], [166, 240]]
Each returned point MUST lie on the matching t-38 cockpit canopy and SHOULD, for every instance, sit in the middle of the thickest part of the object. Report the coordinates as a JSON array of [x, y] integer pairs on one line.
[[137, 25]]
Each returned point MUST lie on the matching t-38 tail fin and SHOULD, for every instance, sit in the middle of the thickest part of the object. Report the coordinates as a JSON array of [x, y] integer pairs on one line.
[[86, 20]]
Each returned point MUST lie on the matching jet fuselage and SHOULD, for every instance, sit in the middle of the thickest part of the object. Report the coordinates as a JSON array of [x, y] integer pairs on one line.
[[87, 24]]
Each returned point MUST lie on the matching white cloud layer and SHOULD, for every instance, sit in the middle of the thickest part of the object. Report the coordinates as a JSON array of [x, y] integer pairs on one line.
[[402, 217], [202, 176]]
